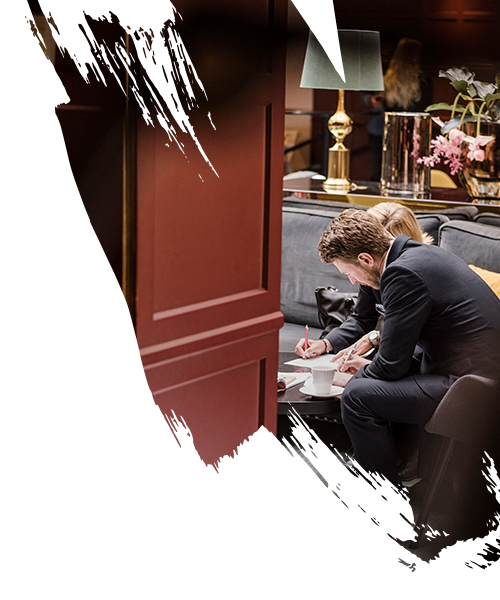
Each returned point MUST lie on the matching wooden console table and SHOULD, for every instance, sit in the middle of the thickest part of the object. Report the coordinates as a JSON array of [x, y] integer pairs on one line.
[[368, 194]]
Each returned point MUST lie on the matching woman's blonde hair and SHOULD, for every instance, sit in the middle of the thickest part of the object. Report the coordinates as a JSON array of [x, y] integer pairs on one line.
[[397, 219], [403, 79]]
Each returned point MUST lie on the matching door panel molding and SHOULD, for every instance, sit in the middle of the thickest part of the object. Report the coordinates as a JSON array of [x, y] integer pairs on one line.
[[209, 247], [206, 339]]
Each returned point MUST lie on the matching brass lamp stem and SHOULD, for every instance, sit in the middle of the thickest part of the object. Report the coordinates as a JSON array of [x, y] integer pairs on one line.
[[340, 125]]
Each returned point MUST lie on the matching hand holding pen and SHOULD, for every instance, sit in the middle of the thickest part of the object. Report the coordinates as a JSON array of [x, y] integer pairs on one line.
[[349, 354], [307, 348], [357, 362]]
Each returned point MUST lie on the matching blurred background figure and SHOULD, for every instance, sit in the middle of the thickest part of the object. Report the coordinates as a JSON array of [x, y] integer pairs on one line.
[[375, 129], [407, 88]]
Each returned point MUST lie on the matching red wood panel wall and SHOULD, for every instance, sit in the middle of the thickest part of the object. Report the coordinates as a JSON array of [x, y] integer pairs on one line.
[[208, 260]]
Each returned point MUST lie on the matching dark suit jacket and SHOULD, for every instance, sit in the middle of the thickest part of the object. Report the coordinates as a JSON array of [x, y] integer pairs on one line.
[[363, 319], [433, 299]]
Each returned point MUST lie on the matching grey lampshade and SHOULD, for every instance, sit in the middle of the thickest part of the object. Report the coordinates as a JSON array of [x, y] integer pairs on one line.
[[361, 59]]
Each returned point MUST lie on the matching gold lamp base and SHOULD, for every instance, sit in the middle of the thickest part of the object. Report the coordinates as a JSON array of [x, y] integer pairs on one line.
[[338, 169], [340, 125]]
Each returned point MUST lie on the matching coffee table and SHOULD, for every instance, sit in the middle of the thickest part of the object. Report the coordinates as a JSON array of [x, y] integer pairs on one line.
[[302, 403]]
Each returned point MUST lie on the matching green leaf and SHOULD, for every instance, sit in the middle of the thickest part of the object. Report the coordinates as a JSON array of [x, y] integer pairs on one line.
[[452, 123], [460, 85], [472, 91], [497, 79], [490, 97], [494, 112], [444, 106]]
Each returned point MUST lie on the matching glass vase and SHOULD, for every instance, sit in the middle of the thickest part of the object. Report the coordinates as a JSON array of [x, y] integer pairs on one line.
[[481, 179], [407, 138]]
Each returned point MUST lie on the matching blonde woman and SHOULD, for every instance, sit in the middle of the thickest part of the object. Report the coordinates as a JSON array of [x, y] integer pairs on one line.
[[407, 88], [397, 219]]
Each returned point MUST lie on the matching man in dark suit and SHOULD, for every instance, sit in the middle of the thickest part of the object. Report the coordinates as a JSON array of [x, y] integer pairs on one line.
[[431, 299]]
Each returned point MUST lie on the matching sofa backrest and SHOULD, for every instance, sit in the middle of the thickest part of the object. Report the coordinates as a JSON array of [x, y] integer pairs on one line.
[[476, 243], [487, 218], [430, 223], [301, 268], [457, 213]]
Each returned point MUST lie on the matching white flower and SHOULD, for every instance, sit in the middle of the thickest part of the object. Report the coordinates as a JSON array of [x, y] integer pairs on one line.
[[480, 140]]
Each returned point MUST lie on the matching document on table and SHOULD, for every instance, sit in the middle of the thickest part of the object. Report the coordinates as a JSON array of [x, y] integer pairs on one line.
[[291, 379], [324, 359]]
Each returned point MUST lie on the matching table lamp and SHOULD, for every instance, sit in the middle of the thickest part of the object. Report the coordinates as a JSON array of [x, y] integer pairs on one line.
[[363, 71]]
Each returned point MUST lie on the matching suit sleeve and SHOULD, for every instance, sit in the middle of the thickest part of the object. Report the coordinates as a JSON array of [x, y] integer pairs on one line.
[[407, 304], [363, 319]]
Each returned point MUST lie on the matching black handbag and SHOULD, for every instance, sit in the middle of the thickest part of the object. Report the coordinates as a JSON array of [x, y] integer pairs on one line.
[[333, 307]]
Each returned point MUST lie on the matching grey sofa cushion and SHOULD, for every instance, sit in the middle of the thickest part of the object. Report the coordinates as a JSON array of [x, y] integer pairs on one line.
[[301, 268], [488, 218], [475, 243], [459, 213], [431, 223]]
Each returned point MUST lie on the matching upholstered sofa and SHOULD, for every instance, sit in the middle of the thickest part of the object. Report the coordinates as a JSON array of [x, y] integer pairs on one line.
[[459, 230]]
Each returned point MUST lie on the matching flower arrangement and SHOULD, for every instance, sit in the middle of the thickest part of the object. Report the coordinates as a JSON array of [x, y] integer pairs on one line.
[[476, 102]]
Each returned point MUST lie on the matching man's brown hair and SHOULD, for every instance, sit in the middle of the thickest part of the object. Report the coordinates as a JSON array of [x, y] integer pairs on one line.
[[350, 234]]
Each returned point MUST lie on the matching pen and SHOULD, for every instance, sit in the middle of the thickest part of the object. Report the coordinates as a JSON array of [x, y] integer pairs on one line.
[[349, 354], [306, 343]]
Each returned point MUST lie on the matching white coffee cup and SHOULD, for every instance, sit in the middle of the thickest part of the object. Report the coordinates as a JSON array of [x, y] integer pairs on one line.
[[322, 378]]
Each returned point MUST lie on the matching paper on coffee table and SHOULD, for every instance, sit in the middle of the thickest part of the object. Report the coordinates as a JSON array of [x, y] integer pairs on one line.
[[324, 359], [297, 378]]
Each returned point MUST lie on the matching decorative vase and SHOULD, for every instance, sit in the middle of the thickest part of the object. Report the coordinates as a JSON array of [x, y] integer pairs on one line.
[[407, 138], [481, 179]]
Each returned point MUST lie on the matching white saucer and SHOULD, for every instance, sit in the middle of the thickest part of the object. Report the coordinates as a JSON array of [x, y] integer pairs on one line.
[[309, 390]]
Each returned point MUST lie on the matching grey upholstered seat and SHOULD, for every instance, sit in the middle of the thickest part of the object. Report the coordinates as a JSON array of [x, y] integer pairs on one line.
[[468, 413]]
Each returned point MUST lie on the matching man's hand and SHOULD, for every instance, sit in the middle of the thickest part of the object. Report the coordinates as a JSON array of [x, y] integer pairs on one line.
[[341, 379], [315, 348], [362, 347], [353, 365]]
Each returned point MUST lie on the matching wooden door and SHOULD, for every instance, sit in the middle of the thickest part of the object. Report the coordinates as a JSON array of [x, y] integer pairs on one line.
[[209, 246]]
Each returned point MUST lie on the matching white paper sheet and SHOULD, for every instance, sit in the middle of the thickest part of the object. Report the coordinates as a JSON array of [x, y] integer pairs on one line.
[[324, 359]]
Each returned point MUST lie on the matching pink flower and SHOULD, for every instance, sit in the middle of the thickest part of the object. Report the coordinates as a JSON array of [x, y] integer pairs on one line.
[[455, 135], [475, 153], [429, 161], [448, 149]]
